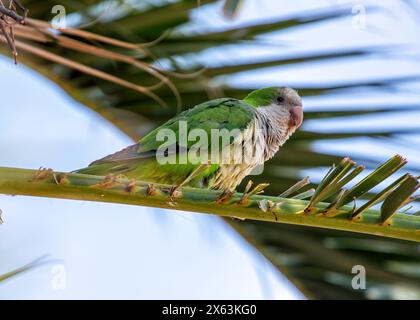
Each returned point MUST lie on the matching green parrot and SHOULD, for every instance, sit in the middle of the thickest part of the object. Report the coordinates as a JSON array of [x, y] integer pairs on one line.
[[172, 153]]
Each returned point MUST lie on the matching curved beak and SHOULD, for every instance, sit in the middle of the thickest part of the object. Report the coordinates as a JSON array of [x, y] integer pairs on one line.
[[296, 116]]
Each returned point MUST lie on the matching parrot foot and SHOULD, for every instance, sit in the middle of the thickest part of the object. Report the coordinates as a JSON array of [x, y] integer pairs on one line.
[[258, 189], [42, 174], [225, 196], [173, 193], [196, 172]]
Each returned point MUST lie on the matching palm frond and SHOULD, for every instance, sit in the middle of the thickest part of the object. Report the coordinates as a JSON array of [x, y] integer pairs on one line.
[[250, 204]]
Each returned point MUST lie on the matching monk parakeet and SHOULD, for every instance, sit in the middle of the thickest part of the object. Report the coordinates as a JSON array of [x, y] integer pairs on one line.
[[261, 122]]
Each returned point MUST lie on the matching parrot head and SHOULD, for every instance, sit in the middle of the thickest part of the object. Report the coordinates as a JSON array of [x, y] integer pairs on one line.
[[282, 99]]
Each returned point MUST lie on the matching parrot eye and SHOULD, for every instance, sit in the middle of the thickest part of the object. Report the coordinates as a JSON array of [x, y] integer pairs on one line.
[[280, 99]]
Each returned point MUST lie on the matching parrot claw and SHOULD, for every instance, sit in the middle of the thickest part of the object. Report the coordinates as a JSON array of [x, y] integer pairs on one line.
[[175, 189], [174, 192]]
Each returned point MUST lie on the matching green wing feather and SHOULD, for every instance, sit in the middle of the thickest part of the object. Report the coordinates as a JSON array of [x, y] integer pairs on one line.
[[224, 113], [139, 161]]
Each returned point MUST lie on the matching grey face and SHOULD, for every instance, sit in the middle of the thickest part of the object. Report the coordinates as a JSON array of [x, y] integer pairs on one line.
[[289, 98]]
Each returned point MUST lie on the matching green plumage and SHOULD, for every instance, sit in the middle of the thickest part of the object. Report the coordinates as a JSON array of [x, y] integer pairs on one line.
[[139, 161], [275, 111], [224, 113]]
